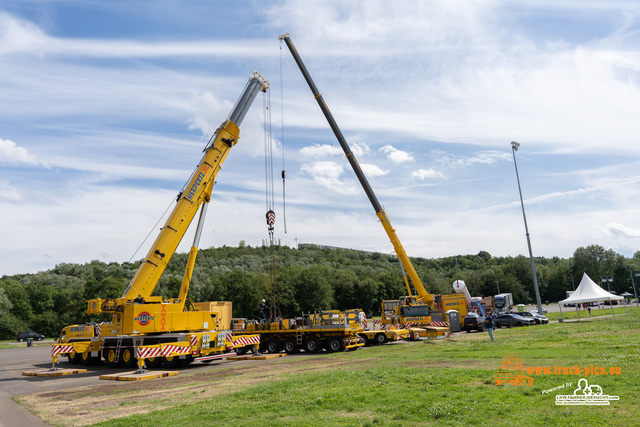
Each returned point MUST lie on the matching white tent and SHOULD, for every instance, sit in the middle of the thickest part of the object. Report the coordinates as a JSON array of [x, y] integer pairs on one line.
[[589, 291]]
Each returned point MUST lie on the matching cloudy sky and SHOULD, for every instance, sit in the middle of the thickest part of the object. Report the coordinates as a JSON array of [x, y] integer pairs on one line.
[[105, 107]]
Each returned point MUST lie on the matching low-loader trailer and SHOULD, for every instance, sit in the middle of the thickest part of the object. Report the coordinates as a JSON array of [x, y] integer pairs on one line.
[[332, 330]]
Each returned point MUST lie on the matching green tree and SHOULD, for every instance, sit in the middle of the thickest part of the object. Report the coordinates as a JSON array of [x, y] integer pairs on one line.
[[17, 294]]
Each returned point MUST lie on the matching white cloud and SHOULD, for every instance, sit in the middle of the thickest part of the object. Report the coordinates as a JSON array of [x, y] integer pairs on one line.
[[372, 170], [482, 158], [395, 155], [11, 154], [331, 150], [207, 109], [19, 36], [424, 174], [621, 231], [9, 193], [321, 150], [327, 174]]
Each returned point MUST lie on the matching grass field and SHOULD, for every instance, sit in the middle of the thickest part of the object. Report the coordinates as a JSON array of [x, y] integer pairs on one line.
[[443, 382]]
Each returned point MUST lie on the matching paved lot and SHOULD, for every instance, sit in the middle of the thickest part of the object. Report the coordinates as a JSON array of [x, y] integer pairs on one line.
[[12, 383]]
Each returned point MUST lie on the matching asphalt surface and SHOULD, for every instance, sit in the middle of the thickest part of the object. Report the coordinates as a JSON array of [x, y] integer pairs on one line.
[[12, 383]]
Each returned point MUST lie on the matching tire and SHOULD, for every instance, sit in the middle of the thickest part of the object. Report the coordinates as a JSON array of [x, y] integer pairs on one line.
[[74, 358], [311, 345], [290, 346], [497, 325], [273, 345], [186, 361], [171, 361], [127, 358], [519, 324], [380, 338], [334, 344], [39, 339], [110, 356], [241, 351], [153, 362], [367, 342], [85, 358], [20, 339]]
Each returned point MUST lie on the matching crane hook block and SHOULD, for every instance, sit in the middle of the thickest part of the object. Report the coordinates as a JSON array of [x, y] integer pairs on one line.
[[271, 217]]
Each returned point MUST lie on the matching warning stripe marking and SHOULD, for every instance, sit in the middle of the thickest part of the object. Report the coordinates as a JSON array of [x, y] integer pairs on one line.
[[248, 340], [174, 350], [60, 349], [147, 352]]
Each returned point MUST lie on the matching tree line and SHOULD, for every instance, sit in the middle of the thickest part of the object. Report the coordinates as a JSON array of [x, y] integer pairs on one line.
[[307, 279]]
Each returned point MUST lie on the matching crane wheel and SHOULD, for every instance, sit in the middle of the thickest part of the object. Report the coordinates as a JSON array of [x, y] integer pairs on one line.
[[367, 341], [85, 358], [171, 361], [311, 345], [273, 345], [380, 338], [127, 358], [241, 351], [74, 358], [333, 344], [153, 362], [110, 357], [290, 346]]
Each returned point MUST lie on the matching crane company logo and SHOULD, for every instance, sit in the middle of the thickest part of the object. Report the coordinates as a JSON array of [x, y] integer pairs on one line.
[[585, 394], [197, 183], [144, 318]]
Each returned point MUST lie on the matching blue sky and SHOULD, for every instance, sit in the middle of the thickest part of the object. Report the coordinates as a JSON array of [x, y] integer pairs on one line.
[[105, 108]]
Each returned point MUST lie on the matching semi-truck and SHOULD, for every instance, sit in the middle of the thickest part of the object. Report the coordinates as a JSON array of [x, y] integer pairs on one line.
[[156, 329], [503, 302]]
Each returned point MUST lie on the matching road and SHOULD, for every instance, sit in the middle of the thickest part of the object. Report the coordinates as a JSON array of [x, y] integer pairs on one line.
[[12, 383]]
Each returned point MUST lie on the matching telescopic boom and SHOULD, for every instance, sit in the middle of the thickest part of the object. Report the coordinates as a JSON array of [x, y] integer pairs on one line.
[[381, 214]]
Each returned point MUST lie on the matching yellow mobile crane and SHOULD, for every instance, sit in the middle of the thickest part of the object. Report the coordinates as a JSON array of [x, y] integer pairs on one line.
[[152, 328], [407, 310]]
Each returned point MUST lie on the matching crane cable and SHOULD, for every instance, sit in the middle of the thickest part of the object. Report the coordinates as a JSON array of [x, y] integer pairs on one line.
[[275, 313]]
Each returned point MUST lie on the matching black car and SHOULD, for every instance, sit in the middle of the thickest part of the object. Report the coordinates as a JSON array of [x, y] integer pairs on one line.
[[473, 322], [510, 319], [538, 318], [22, 336]]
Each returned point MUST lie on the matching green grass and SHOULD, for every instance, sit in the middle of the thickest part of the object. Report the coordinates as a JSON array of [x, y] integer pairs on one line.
[[15, 344], [444, 382], [569, 313]]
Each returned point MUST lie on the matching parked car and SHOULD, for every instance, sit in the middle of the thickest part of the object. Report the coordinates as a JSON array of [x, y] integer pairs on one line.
[[538, 318], [535, 310], [510, 319], [473, 322], [22, 336]]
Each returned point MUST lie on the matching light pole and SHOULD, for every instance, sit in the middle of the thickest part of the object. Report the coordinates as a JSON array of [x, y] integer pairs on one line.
[[514, 148], [634, 285], [607, 279]]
